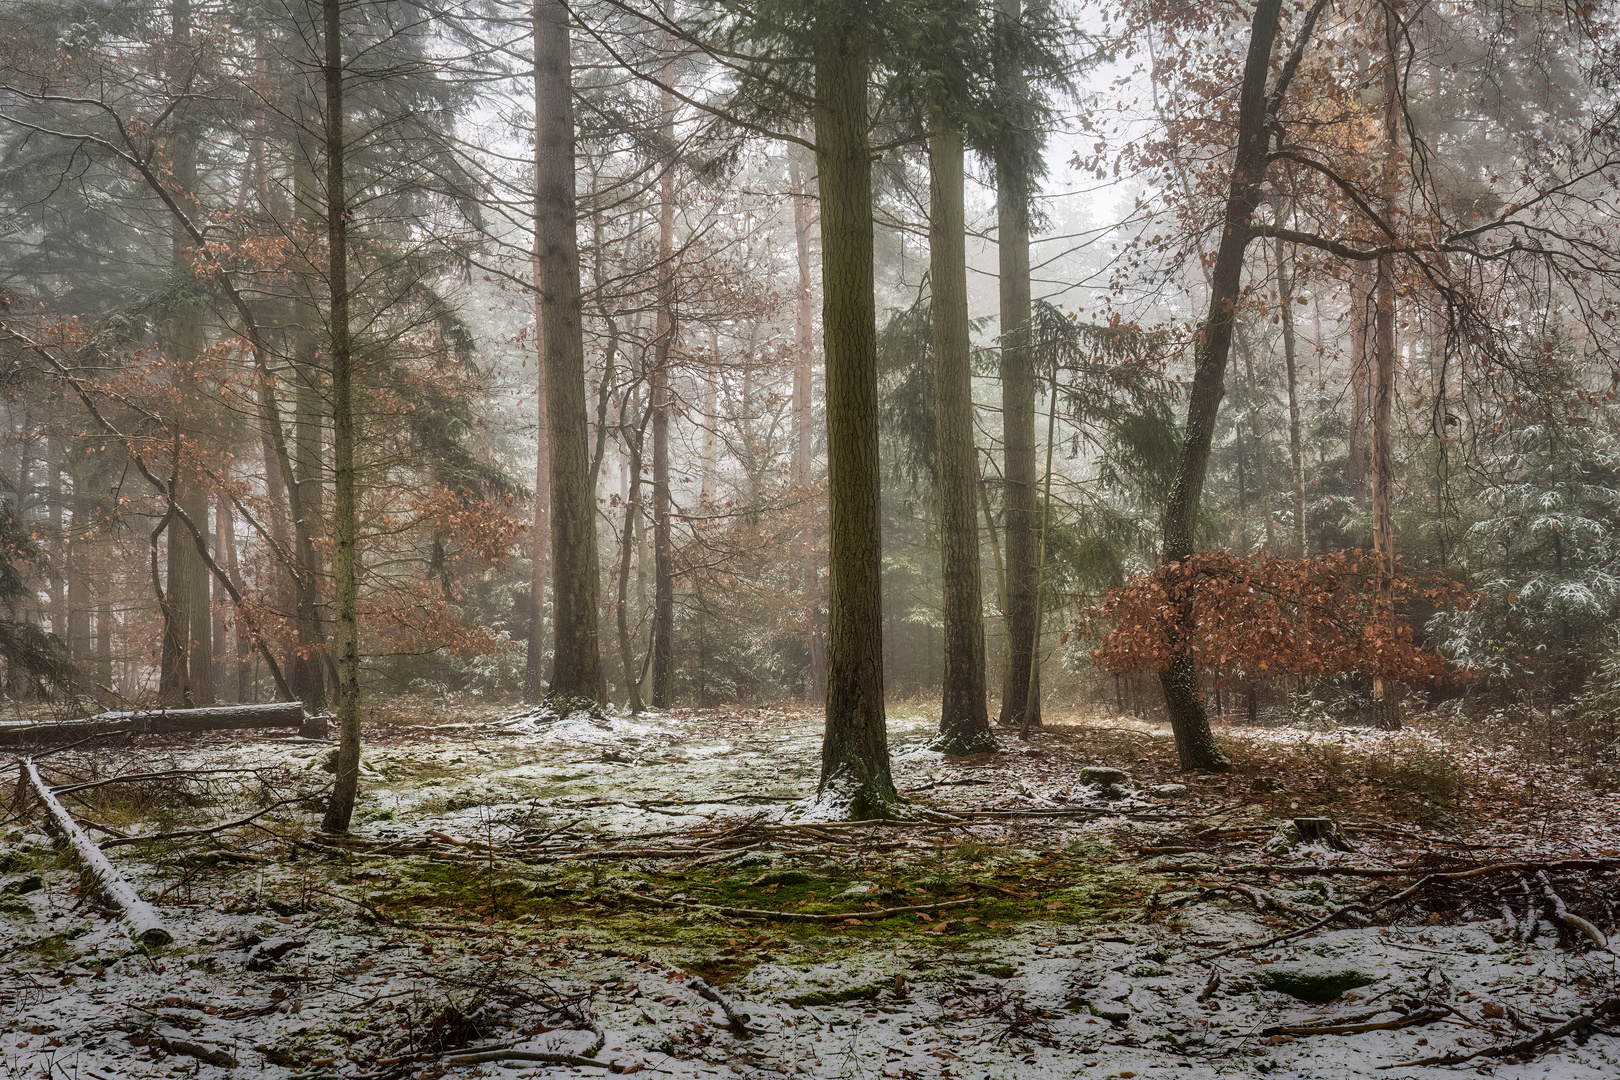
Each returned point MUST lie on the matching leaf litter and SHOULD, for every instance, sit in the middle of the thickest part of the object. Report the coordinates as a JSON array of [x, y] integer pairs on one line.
[[533, 895]]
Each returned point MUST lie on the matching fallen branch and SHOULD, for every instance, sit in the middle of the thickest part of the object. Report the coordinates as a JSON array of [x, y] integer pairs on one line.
[[136, 778], [144, 925], [1427, 1017], [1413, 890], [527, 1055], [800, 916], [186, 834], [1568, 917], [163, 721], [1523, 1046]]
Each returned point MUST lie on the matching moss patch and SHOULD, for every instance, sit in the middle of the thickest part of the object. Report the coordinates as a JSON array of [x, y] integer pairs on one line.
[[1314, 986]]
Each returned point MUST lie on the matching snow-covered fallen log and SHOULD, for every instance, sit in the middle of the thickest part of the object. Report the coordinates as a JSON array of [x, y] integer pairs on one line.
[[273, 714], [144, 925]]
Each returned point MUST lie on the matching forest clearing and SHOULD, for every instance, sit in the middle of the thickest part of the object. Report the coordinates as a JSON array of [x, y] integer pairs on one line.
[[539, 896], [837, 538]]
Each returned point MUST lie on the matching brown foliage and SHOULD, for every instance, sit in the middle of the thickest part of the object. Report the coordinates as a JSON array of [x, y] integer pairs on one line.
[[1316, 616]]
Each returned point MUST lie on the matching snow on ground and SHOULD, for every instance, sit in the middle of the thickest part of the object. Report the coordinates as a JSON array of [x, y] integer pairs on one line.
[[541, 886]]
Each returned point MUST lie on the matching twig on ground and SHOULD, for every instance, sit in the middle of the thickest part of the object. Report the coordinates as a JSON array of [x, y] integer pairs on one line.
[[1523, 1046]]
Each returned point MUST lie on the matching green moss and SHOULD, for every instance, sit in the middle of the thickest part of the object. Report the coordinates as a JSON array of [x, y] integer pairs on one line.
[[1314, 986], [863, 992]]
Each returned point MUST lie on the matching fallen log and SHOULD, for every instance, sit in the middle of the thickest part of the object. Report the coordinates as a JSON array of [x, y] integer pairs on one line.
[[158, 721], [143, 923]]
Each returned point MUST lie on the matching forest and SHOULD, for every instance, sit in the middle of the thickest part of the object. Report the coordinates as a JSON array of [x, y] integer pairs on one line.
[[846, 538]]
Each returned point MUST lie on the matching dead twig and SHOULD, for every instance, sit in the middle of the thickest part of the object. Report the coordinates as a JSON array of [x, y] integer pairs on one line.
[[800, 916], [1610, 1007]]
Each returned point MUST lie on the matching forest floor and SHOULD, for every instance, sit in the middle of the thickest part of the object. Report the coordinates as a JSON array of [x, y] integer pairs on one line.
[[527, 895]]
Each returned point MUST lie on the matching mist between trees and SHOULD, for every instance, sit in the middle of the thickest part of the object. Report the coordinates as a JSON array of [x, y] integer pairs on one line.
[[661, 353]]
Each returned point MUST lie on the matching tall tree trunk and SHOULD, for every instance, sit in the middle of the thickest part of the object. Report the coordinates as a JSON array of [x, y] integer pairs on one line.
[[220, 629], [1021, 525], [632, 511], [663, 638], [84, 464], [1195, 742], [1257, 443], [302, 458], [233, 569], [576, 652], [804, 349], [534, 661], [1361, 379], [854, 750], [345, 497], [1296, 441], [964, 720], [185, 676], [104, 628], [1383, 461]]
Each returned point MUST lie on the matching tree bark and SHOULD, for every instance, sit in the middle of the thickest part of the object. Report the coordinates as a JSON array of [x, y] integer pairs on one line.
[[1195, 742], [1383, 461], [534, 659], [185, 675], [139, 918], [345, 497], [1361, 379], [278, 714], [804, 347], [964, 721], [84, 464], [663, 634], [233, 569], [301, 461], [576, 652], [1296, 441], [1021, 516], [632, 511], [854, 752]]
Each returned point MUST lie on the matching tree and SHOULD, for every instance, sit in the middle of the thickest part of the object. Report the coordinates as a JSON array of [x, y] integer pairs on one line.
[[1015, 152], [1179, 673], [577, 662], [36, 661], [345, 505], [964, 722], [854, 753]]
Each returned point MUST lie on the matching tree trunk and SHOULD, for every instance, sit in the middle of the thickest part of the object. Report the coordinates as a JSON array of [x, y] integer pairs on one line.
[[632, 511], [85, 464], [804, 347], [663, 638], [139, 918], [1361, 317], [576, 653], [1296, 442], [1383, 462], [964, 721], [1195, 742], [1021, 520], [302, 461], [220, 630], [534, 659], [345, 504], [185, 676], [233, 568], [854, 752]]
